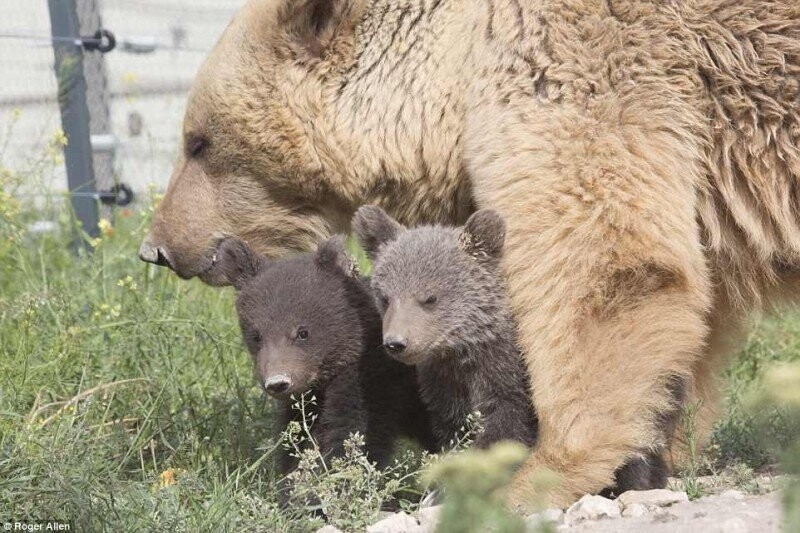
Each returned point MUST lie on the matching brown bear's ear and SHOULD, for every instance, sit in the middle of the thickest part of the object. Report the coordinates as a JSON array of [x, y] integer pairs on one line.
[[484, 234], [374, 228], [332, 254], [235, 262], [316, 23]]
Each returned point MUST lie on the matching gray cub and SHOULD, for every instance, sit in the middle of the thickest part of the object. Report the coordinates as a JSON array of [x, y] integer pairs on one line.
[[445, 311]]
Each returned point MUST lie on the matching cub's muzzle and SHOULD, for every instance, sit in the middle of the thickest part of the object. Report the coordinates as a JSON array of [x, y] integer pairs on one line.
[[277, 385]]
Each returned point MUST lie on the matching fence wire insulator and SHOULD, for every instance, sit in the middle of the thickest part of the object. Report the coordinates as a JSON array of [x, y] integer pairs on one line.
[[102, 41]]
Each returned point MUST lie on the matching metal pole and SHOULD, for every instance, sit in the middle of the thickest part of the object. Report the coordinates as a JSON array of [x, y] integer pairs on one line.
[[74, 112]]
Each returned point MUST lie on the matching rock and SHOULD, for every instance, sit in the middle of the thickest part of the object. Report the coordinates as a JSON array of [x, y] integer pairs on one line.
[[733, 525], [635, 509], [663, 516], [734, 494], [710, 514], [396, 523], [552, 516], [429, 517], [329, 529], [591, 508], [768, 483], [652, 498]]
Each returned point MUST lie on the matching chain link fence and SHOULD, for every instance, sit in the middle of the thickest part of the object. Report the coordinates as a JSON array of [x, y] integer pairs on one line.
[[136, 93]]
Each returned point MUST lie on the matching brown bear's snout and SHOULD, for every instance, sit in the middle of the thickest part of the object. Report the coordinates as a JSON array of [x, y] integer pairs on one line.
[[157, 255], [406, 330], [277, 385], [394, 344]]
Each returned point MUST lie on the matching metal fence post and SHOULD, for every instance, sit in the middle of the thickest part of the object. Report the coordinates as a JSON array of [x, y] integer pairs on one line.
[[74, 111]]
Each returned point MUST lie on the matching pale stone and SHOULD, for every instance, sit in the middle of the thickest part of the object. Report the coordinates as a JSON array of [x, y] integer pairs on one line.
[[734, 494], [652, 498], [552, 516], [733, 525], [396, 523], [635, 509], [329, 529], [591, 508], [429, 518], [711, 514]]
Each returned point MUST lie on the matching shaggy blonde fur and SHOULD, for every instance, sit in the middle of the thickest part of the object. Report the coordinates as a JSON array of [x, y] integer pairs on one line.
[[644, 154]]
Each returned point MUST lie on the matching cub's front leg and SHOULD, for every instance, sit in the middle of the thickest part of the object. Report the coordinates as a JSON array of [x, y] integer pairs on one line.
[[343, 414]]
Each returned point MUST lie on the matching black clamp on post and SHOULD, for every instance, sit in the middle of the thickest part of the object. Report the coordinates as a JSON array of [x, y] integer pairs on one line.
[[102, 41], [119, 194]]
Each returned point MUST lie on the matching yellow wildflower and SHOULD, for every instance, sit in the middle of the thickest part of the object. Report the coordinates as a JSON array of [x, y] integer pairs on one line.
[[105, 227], [129, 78], [59, 138], [169, 477], [129, 282]]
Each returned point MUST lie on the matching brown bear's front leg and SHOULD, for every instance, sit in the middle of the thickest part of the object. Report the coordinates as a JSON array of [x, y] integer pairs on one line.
[[606, 275], [600, 371]]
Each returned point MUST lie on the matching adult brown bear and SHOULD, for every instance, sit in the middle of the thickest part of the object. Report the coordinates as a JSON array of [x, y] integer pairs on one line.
[[644, 153]]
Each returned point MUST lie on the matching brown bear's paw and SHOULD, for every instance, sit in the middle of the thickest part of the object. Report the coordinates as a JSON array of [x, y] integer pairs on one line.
[[536, 487]]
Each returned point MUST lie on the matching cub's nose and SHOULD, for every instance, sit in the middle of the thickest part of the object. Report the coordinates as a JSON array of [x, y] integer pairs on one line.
[[153, 254], [394, 344], [277, 384]]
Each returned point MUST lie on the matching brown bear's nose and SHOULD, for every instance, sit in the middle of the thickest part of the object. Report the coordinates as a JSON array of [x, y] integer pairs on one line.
[[153, 254], [277, 384], [394, 344]]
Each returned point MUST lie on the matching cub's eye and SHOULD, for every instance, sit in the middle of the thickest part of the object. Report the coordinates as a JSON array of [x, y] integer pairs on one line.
[[302, 334], [430, 300], [254, 337], [196, 145], [383, 301]]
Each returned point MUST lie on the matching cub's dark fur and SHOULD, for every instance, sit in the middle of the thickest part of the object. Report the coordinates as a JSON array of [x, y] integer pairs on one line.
[[445, 312], [311, 326]]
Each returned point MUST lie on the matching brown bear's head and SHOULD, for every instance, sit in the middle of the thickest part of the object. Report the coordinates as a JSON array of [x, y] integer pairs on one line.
[[303, 318], [250, 164], [307, 109], [438, 288]]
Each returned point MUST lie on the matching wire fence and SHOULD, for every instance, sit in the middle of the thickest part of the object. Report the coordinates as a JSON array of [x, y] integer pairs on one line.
[[136, 93]]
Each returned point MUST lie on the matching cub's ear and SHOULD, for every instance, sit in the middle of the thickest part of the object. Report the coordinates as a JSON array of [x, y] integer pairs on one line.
[[315, 24], [374, 228], [236, 263], [484, 234], [332, 254]]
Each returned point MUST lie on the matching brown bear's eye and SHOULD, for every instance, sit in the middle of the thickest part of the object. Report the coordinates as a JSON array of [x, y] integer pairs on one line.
[[430, 300], [255, 337], [195, 145], [302, 334]]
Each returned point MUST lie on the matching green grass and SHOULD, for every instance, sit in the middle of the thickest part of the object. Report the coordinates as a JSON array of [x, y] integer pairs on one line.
[[127, 400], [740, 436], [112, 372]]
